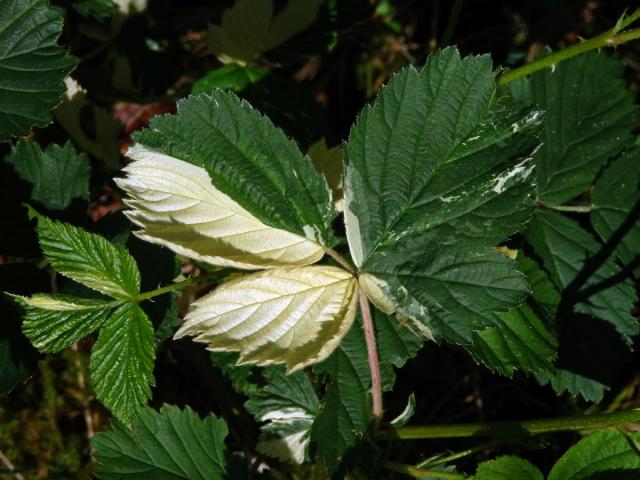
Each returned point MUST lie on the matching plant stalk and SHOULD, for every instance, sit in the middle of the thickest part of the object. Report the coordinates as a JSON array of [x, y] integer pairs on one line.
[[610, 38], [566, 208], [175, 286], [372, 351], [421, 473], [512, 429]]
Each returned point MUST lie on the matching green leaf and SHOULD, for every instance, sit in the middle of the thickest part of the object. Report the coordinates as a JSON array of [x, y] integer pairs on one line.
[[436, 175], [507, 468], [396, 345], [589, 118], [564, 246], [55, 322], [166, 445], [58, 174], [230, 77], [544, 295], [33, 66], [99, 9], [240, 376], [615, 194], [328, 161], [248, 159], [600, 456], [289, 404], [250, 28], [345, 413], [122, 362], [521, 341], [88, 258]]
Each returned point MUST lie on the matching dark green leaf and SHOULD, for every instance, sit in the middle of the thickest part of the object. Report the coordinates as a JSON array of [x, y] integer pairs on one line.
[[240, 376], [507, 468], [55, 322], [589, 118], [88, 258], [33, 66], [600, 456], [58, 174], [345, 413], [122, 362], [100, 9], [17, 357], [396, 345], [172, 444], [248, 159], [436, 175], [615, 194], [230, 77], [564, 247]]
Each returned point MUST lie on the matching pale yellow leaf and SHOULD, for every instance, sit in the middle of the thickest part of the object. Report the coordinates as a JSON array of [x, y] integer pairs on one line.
[[177, 206], [250, 28], [295, 316], [373, 287]]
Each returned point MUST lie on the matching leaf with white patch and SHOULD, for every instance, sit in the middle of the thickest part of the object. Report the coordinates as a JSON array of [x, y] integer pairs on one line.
[[288, 403], [294, 316], [178, 207], [437, 173]]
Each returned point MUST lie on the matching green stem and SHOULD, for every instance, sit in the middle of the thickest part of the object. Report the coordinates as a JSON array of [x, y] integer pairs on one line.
[[175, 286], [451, 24], [512, 429], [420, 473], [458, 455], [610, 38]]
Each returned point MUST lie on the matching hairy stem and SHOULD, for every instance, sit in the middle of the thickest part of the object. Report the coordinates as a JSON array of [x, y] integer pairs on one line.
[[421, 473], [176, 286], [372, 351], [610, 38], [340, 259], [512, 429]]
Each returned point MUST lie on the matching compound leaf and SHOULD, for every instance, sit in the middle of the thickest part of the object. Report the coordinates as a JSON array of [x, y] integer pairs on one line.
[[600, 456], [296, 316], [55, 322], [249, 160], [33, 66], [589, 116], [436, 175], [288, 403], [58, 174], [122, 361], [178, 207], [507, 468], [166, 445], [88, 258]]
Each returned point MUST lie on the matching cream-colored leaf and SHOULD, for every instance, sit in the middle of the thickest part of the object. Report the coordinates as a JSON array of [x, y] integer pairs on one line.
[[295, 316], [177, 206], [292, 446], [250, 28], [373, 287]]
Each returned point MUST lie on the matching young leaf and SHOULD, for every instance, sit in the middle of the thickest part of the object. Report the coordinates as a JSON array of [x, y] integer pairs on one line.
[[507, 468], [601, 455], [589, 118], [521, 341], [615, 194], [345, 413], [250, 28], [54, 322], [434, 179], [33, 65], [170, 444], [564, 247], [230, 77], [288, 403], [58, 174], [88, 258], [122, 362], [248, 159], [178, 207], [296, 316]]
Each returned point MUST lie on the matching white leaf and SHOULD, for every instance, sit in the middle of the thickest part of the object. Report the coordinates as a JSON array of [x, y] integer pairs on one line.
[[296, 316], [177, 206]]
